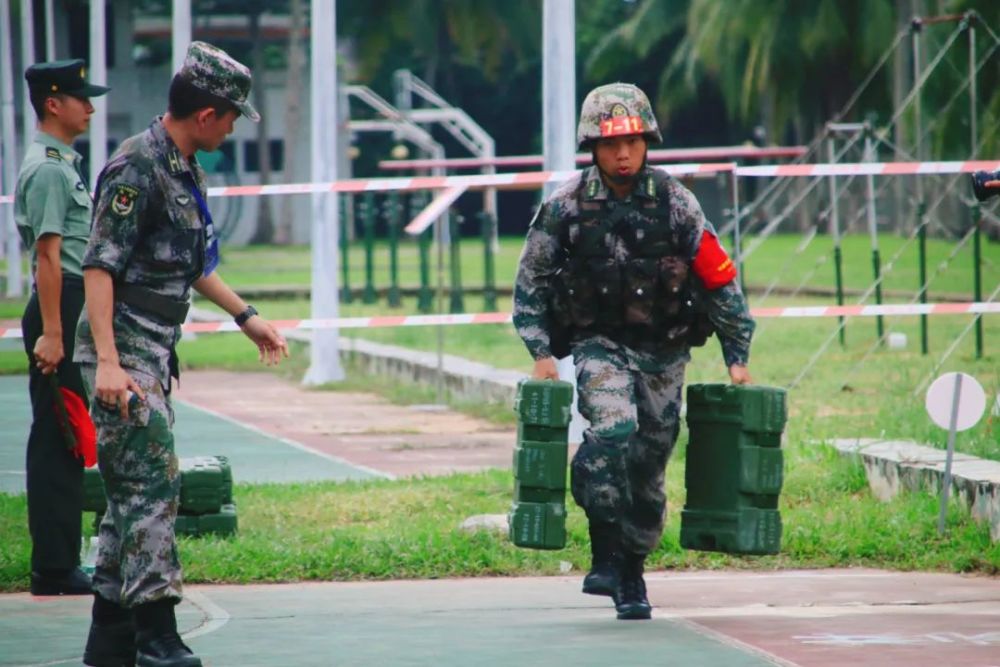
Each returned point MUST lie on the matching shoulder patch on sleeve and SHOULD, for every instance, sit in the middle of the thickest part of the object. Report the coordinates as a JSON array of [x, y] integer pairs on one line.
[[123, 201], [53, 153]]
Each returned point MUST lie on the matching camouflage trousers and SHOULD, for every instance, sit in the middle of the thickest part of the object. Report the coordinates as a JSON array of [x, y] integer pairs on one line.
[[137, 554], [617, 474]]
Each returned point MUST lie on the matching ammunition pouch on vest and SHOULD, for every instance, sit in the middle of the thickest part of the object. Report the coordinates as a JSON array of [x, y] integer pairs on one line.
[[650, 296], [171, 311]]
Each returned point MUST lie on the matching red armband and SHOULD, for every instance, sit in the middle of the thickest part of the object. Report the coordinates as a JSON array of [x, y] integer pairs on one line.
[[712, 264]]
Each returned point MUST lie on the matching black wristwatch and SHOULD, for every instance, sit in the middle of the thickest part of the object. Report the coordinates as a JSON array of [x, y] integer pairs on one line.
[[242, 318]]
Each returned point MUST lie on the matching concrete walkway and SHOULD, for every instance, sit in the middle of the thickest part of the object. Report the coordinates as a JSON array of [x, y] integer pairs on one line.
[[861, 618]]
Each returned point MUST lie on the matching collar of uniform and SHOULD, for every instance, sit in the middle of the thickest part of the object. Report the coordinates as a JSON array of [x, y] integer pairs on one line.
[[595, 189], [176, 163], [47, 140]]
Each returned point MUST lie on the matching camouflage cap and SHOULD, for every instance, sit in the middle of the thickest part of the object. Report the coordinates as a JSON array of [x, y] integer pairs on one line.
[[213, 70], [616, 109]]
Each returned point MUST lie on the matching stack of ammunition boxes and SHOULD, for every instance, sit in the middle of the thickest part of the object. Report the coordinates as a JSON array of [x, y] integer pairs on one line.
[[734, 469], [206, 499], [538, 514]]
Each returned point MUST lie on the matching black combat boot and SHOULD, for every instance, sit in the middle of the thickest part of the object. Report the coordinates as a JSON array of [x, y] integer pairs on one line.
[[157, 641], [111, 642], [630, 596], [605, 550]]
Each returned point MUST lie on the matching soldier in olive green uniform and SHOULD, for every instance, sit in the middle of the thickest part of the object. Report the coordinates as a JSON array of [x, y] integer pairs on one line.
[[621, 269], [152, 241], [52, 207]]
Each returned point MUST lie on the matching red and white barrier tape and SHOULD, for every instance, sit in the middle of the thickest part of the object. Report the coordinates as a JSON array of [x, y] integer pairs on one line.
[[511, 181], [536, 179], [502, 318]]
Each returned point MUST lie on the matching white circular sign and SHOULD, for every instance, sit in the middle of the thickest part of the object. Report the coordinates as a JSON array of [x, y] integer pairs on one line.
[[971, 401]]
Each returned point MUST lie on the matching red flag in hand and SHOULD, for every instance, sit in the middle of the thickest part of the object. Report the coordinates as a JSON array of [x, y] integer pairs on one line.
[[75, 423]]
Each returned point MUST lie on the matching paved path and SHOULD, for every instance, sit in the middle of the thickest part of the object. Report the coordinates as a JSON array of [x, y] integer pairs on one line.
[[860, 618]]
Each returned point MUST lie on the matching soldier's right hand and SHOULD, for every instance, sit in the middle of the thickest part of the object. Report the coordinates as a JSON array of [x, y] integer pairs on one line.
[[545, 369], [48, 352], [113, 386]]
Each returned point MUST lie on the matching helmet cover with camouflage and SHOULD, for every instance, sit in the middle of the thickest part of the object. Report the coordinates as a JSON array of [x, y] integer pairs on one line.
[[213, 70], [616, 109]]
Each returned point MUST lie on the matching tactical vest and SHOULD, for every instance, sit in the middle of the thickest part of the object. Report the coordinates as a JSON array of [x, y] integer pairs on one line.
[[647, 297]]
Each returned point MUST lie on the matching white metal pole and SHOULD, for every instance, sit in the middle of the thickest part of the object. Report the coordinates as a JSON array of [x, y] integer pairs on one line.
[[324, 351], [50, 31], [27, 59], [950, 453], [8, 150], [559, 123], [98, 74], [180, 36], [558, 86]]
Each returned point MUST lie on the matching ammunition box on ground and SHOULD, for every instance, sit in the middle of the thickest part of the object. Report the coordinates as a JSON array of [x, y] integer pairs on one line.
[[224, 522], [538, 525], [94, 499]]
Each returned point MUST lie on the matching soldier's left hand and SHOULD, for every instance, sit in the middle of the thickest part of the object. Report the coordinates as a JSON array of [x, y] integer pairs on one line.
[[271, 344], [740, 374]]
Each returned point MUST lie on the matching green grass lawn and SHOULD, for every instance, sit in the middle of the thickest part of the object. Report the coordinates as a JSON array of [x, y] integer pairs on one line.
[[409, 528]]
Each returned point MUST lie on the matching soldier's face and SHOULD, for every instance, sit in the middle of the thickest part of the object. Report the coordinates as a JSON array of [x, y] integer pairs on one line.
[[621, 157], [72, 113], [213, 128]]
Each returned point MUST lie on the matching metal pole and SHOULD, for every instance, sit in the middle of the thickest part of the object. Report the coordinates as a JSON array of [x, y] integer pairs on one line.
[[180, 36], [737, 237], [838, 260], [977, 272], [952, 427], [346, 204], [872, 229], [456, 304], [559, 122], [393, 220], [922, 260], [324, 352], [558, 86], [973, 129], [8, 149], [99, 75], [368, 224], [488, 230], [27, 58], [439, 232], [50, 31]]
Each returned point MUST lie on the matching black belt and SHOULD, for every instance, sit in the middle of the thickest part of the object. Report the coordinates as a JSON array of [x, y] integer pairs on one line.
[[172, 311]]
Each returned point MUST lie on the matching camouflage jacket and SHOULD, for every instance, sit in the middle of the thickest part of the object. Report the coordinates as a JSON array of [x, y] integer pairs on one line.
[[147, 232], [727, 309]]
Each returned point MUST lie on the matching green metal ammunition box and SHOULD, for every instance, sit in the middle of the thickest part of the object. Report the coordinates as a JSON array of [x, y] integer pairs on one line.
[[94, 499], [223, 522], [544, 403], [538, 525], [541, 464], [745, 531], [531, 433], [201, 486], [734, 468], [533, 494]]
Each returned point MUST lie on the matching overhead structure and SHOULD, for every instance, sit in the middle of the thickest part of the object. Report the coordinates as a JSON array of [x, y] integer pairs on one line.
[[456, 122]]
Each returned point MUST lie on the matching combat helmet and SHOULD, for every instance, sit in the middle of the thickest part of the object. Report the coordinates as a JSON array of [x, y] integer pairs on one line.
[[613, 110]]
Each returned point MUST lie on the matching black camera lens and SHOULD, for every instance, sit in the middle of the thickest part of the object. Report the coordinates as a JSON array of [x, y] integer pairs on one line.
[[986, 184]]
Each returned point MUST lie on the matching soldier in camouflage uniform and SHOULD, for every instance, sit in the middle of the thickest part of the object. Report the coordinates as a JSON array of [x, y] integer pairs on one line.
[[152, 240], [621, 269]]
